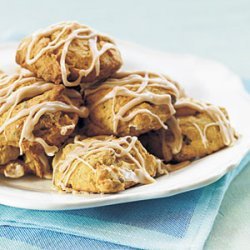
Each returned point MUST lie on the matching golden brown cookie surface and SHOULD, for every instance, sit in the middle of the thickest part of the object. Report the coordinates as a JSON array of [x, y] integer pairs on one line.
[[130, 103], [202, 129], [8, 153], [104, 164], [69, 53], [36, 116]]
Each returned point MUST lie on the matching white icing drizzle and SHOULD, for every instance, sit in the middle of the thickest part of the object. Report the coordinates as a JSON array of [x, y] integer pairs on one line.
[[216, 114], [12, 93], [65, 129], [161, 168], [68, 31], [120, 147], [14, 170], [176, 144], [202, 134], [137, 87]]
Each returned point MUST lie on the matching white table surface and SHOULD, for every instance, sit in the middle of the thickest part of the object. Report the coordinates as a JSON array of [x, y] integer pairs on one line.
[[217, 30]]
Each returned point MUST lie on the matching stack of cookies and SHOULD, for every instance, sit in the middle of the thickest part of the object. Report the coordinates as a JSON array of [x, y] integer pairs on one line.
[[73, 117]]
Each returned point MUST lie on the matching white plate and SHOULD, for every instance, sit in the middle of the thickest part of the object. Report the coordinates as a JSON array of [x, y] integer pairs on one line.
[[202, 79]]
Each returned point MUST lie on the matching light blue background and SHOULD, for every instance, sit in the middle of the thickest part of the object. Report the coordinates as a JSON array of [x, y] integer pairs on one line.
[[217, 30]]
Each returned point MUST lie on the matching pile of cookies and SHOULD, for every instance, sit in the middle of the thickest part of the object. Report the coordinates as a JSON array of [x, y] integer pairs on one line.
[[73, 117]]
